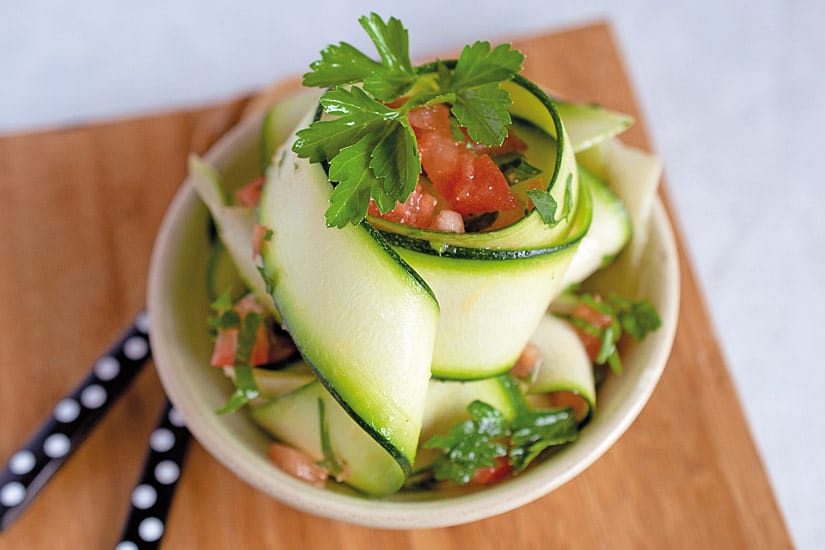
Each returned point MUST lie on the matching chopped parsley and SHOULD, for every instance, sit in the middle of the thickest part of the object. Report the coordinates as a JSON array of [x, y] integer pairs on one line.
[[370, 146], [519, 170], [546, 205], [634, 317], [226, 318], [487, 435], [223, 317]]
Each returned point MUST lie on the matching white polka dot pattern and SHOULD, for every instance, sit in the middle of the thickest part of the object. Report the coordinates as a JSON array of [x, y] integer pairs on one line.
[[135, 348], [56, 445], [93, 396], [22, 462], [161, 440], [72, 418], [167, 472], [150, 529], [107, 368], [176, 418], [67, 410], [142, 322], [12, 494], [144, 496], [153, 493], [126, 545]]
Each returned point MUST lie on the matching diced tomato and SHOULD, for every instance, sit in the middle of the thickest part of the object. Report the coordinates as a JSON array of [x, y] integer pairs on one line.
[[396, 103], [433, 118], [298, 464], [223, 354], [565, 399], [471, 183], [528, 361], [248, 304], [469, 180], [258, 234], [250, 194], [511, 144], [266, 349], [448, 221], [487, 475], [481, 187], [417, 210], [441, 158], [260, 349], [596, 318]]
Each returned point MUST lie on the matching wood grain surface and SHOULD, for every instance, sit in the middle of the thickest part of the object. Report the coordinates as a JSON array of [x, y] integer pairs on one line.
[[79, 209]]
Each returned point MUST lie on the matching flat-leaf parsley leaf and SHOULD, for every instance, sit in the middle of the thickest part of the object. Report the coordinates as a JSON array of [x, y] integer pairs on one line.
[[366, 137]]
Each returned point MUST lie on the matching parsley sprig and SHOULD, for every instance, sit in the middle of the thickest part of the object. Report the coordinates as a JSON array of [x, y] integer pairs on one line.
[[471, 445], [487, 435], [546, 205], [634, 317], [369, 145]]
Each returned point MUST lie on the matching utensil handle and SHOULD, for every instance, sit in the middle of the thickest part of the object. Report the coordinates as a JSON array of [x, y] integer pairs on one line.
[[30, 468], [153, 494]]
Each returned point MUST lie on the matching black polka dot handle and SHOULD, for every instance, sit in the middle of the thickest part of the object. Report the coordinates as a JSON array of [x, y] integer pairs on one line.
[[152, 496], [74, 416]]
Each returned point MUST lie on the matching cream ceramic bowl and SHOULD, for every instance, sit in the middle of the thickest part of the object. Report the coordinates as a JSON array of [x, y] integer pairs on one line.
[[178, 308]]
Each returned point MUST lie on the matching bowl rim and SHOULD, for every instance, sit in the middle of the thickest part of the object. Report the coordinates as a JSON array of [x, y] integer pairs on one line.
[[385, 513]]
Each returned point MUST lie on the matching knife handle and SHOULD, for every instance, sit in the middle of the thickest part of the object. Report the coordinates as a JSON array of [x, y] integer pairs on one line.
[[30, 468], [152, 496]]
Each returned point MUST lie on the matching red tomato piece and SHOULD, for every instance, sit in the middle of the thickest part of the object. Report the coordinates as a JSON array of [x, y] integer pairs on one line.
[[298, 464], [529, 359], [461, 171], [226, 343], [487, 475], [417, 210], [250, 194], [434, 118], [258, 234], [596, 318], [223, 355], [481, 187], [441, 159], [511, 144]]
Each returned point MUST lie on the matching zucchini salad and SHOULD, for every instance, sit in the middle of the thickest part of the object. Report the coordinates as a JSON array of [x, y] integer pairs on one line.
[[418, 289]]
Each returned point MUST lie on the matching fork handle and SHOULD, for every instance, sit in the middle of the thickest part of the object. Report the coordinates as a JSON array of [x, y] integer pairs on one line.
[[72, 419]]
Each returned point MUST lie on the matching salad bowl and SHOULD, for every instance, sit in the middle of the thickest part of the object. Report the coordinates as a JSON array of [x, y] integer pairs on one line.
[[178, 306]]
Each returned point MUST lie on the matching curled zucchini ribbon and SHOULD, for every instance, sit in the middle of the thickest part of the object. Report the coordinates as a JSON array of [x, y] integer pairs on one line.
[[494, 287]]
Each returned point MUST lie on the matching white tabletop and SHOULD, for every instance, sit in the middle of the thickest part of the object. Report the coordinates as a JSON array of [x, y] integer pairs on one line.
[[734, 95]]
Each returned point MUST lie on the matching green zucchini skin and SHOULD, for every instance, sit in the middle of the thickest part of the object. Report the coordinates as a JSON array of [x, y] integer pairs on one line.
[[361, 317], [294, 419]]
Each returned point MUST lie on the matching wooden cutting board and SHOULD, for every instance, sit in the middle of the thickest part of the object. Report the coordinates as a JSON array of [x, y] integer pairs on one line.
[[80, 208]]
